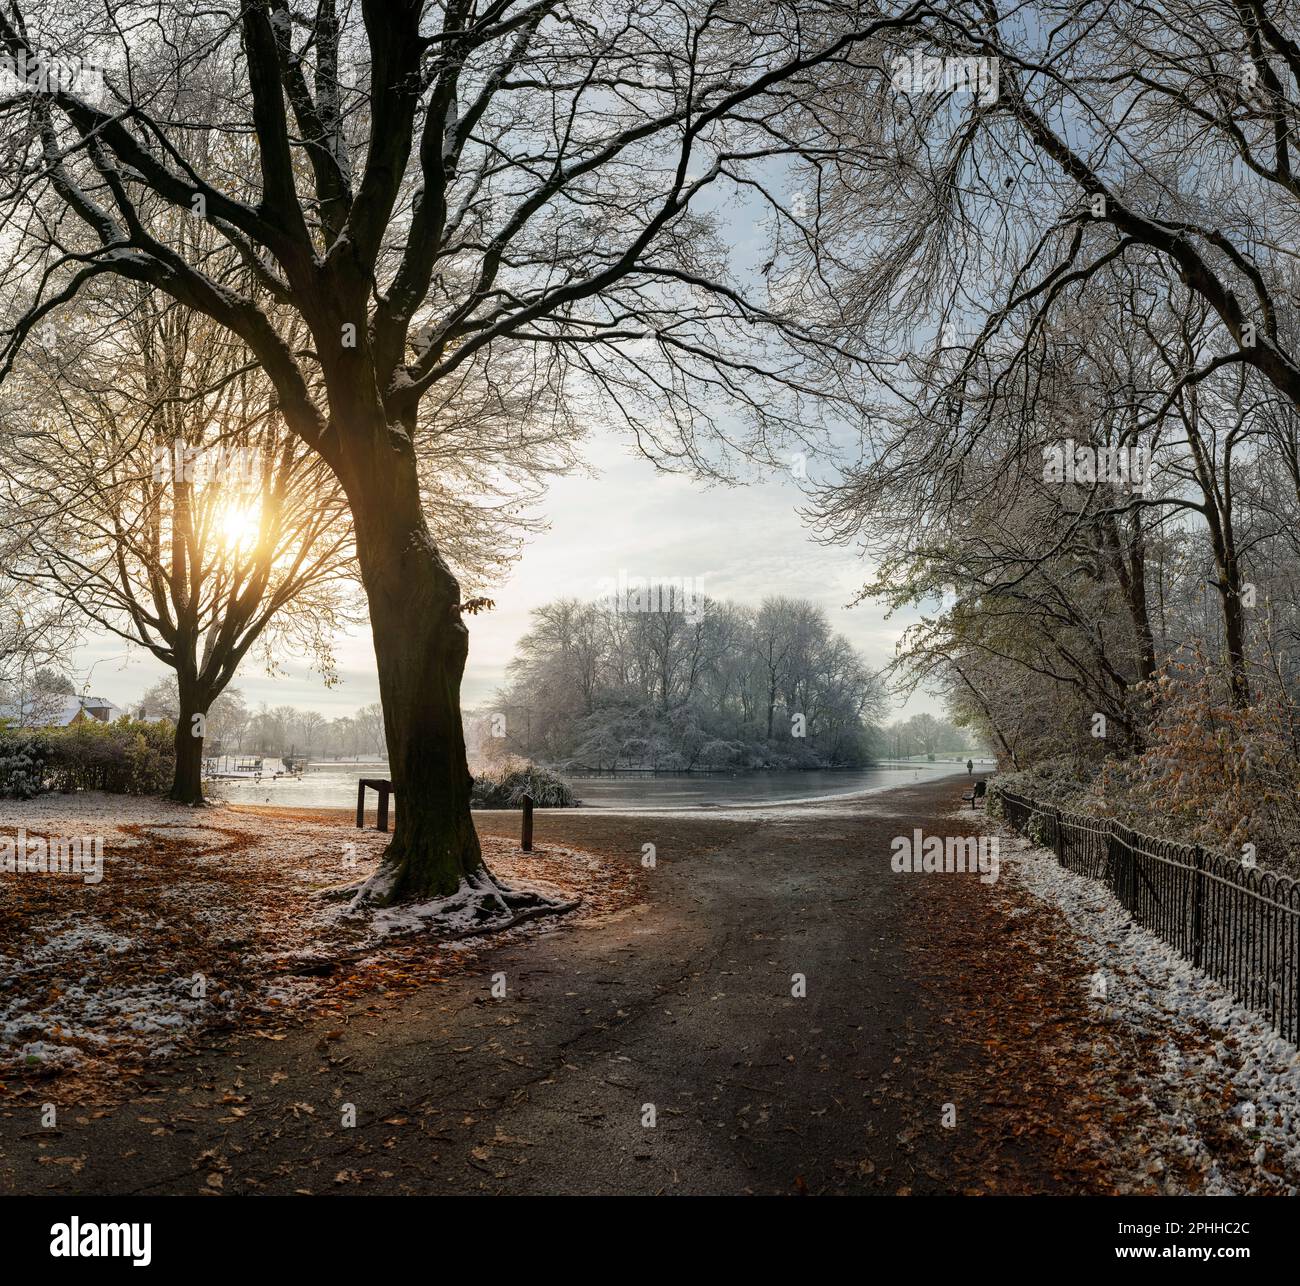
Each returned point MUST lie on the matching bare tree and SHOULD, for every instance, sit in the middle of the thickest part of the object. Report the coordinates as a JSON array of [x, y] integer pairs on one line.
[[369, 723], [428, 185], [35, 632], [310, 726], [160, 495]]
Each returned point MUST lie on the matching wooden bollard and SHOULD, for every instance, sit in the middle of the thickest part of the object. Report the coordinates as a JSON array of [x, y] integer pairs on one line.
[[526, 842]]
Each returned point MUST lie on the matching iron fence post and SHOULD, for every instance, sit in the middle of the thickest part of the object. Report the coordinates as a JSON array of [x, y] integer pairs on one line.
[[1198, 899], [1129, 859], [1119, 866]]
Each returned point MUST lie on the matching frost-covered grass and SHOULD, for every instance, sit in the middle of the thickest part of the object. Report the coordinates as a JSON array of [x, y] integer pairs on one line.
[[504, 785], [207, 919]]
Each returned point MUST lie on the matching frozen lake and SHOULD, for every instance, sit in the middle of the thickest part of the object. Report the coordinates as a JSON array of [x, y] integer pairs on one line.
[[331, 785], [755, 788], [323, 785]]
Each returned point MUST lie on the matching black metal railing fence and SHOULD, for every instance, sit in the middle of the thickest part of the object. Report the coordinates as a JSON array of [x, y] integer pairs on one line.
[[1237, 923]]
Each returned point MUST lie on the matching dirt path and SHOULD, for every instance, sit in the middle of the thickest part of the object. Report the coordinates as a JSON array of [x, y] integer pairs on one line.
[[880, 1079]]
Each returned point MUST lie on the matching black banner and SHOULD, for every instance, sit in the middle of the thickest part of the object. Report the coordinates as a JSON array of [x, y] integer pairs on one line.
[[90, 1236]]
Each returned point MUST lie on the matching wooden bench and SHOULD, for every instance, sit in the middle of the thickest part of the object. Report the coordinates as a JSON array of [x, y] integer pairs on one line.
[[975, 794], [384, 789]]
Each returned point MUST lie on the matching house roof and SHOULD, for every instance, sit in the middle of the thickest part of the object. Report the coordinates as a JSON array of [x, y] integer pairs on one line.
[[59, 715]]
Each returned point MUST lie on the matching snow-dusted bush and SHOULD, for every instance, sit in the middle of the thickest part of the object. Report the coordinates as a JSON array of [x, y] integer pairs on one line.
[[504, 785], [597, 686], [22, 763], [125, 758], [1211, 772], [1214, 772], [1064, 780]]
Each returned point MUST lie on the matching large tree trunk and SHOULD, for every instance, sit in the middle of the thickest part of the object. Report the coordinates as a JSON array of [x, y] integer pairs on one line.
[[1234, 630], [1217, 509], [1128, 560], [187, 780], [1228, 585], [421, 644]]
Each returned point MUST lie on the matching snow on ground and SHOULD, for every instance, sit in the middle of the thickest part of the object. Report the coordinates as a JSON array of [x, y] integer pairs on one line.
[[1216, 1061], [205, 918], [88, 811]]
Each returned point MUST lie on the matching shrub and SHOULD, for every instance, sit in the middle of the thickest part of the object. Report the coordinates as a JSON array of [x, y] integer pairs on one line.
[[1062, 780], [1219, 774], [504, 785], [22, 763], [1211, 772], [124, 758]]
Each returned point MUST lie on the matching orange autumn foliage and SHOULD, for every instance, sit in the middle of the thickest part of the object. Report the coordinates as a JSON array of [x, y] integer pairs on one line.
[[1224, 775]]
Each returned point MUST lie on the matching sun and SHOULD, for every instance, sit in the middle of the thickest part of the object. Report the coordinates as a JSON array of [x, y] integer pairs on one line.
[[238, 524]]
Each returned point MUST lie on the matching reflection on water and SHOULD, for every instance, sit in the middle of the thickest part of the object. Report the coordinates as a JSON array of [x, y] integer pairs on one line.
[[332, 785]]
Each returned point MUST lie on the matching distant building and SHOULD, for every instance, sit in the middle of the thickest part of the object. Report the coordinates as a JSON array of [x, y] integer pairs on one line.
[[98, 708], [154, 714], [50, 711]]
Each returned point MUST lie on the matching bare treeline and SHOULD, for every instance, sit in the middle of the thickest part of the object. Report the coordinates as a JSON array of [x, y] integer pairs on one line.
[[720, 686], [1063, 236], [235, 727]]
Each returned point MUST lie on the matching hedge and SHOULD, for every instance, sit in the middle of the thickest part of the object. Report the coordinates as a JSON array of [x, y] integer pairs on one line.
[[128, 757]]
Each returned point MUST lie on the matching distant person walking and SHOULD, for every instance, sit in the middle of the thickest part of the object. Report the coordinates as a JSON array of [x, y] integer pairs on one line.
[[970, 767]]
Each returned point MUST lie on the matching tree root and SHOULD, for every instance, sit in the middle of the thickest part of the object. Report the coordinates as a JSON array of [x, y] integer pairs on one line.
[[340, 892], [481, 905], [547, 906]]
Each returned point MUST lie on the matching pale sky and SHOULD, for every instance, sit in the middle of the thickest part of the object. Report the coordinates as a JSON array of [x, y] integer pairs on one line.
[[739, 544], [734, 543]]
